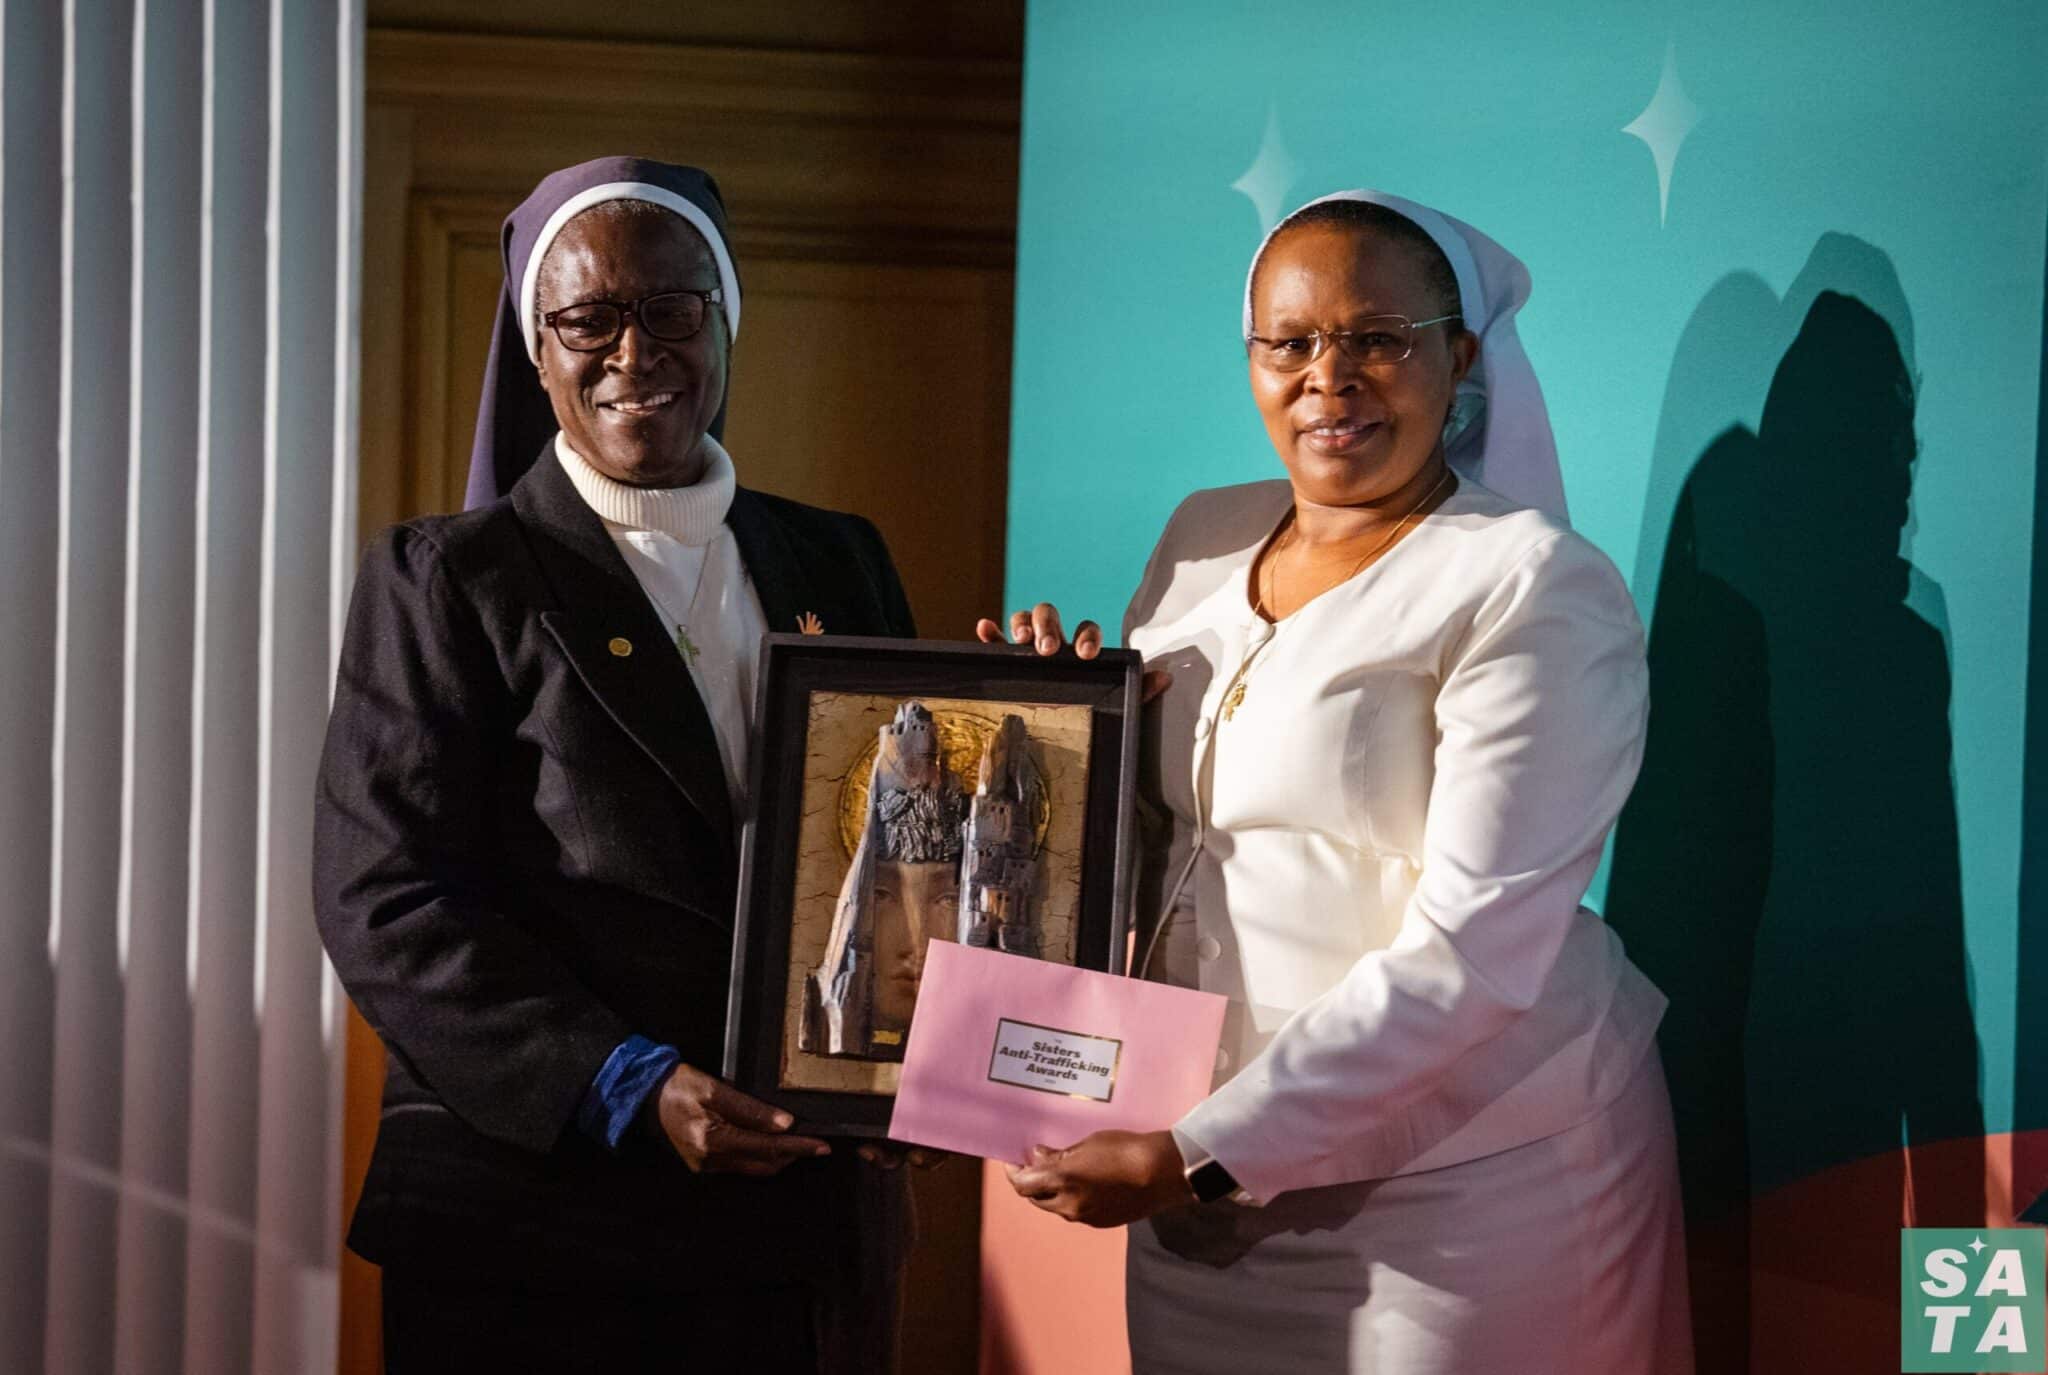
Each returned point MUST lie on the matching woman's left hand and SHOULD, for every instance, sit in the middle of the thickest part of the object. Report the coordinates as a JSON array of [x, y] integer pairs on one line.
[[1106, 1179]]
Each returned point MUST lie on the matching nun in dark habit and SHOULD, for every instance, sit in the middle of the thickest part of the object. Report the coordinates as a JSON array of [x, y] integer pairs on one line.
[[525, 850]]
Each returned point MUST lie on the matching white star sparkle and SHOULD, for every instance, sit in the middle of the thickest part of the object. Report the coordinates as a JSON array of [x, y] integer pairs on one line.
[[1663, 125], [1978, 1245], [1273, 171]]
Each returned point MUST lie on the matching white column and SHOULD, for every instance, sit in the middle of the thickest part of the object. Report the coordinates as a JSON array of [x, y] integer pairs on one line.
[[86, 756], [163, 431], [220, 1264], [31, 192], [297, 1280], [179, 203]]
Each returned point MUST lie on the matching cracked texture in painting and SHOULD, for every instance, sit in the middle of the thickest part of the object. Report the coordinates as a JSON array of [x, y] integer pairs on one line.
[[841, 727]]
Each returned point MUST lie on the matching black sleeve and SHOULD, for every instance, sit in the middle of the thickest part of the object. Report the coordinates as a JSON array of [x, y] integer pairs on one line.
[[895, 604], [404, 858]]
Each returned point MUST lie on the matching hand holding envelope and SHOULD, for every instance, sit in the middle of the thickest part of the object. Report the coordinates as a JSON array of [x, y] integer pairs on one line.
[[1008, 1054], [1106, 1179]]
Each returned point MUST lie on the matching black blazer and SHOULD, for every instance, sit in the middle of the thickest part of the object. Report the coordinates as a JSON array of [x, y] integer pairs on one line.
[[524, 852]]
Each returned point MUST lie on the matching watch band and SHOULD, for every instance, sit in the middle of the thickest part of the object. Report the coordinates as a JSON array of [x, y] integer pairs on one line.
[[1210, 1181]]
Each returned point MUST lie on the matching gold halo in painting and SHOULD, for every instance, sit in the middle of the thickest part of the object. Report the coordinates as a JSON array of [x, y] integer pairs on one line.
[[963, 738]]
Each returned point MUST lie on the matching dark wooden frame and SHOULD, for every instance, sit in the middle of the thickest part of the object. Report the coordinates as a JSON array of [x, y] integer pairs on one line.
[[794, 666]]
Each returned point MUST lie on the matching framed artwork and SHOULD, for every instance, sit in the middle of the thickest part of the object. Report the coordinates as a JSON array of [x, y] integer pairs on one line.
[[906, 791]]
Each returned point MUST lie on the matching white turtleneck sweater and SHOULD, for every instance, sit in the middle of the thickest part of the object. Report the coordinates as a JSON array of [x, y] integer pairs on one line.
[[679, 547]]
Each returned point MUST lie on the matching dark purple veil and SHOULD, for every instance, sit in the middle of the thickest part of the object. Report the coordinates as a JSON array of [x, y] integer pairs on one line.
[[514, 418]]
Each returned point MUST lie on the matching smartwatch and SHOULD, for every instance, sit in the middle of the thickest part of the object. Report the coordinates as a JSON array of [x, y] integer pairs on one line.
[[1210, 1181]]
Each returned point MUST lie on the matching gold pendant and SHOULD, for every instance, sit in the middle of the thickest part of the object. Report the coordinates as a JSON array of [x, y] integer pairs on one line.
[[1233, 700]]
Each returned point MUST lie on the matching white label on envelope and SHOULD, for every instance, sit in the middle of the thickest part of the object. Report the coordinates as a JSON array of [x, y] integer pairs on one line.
[[1054, 1061]]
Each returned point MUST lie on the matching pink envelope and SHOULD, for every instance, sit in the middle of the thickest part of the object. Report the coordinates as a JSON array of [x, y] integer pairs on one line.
[[1007, 1053]]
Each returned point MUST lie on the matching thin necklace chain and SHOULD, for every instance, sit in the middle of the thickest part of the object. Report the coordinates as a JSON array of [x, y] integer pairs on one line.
[[1268, 576], [1234, 698], [684, 643]]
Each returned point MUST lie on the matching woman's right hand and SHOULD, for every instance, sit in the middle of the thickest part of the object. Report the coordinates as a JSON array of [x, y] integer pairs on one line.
[[1040, 628]]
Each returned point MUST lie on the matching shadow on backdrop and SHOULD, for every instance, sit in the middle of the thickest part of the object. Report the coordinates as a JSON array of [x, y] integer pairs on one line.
[[1787, 870], [2030, 1012]]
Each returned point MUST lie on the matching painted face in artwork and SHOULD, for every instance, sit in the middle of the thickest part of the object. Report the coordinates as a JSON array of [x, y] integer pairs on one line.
[[915, 904]]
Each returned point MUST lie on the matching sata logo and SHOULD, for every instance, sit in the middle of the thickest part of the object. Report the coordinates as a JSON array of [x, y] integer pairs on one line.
[[1972, 1300]]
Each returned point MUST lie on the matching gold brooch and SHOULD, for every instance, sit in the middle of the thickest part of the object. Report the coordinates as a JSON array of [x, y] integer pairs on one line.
[[809, 624]]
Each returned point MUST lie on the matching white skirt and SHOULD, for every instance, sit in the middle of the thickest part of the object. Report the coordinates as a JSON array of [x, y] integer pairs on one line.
[[1565, 1256]]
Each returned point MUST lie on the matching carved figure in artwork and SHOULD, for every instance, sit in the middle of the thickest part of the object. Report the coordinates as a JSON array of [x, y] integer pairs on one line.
[[999, 864], [901, 892]]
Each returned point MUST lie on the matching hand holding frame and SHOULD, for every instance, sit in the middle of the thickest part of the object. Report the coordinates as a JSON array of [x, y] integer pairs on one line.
[[1040, 628]]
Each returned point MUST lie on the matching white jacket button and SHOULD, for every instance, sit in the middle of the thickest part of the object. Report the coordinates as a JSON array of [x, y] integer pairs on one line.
[[1208, 948], [1202, 728], [1222, 1058]]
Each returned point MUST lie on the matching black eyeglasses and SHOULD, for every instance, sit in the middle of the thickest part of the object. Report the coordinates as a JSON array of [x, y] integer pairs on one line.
[[1378, 341], [671, 316]]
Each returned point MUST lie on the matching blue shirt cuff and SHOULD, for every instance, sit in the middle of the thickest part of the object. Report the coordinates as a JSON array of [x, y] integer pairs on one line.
[[630, 1075]]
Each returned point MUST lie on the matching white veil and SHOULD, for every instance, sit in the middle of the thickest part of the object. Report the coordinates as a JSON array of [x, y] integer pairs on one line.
[[1499, 432]]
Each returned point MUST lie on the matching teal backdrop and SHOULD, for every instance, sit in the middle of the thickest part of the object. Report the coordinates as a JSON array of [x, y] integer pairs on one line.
[[1823, 864]]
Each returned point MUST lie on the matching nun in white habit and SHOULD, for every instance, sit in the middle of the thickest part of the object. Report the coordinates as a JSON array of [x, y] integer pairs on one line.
[[1406, 705]]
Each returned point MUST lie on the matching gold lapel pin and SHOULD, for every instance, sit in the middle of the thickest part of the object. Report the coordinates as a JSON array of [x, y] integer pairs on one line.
[[809, 624], [621, 646]]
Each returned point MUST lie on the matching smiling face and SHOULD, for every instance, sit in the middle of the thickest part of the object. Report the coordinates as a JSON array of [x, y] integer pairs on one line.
[[1350, 433], [637, 411]]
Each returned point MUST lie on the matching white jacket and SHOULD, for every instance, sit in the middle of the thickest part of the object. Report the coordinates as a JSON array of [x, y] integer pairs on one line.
[[1378, 857]]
